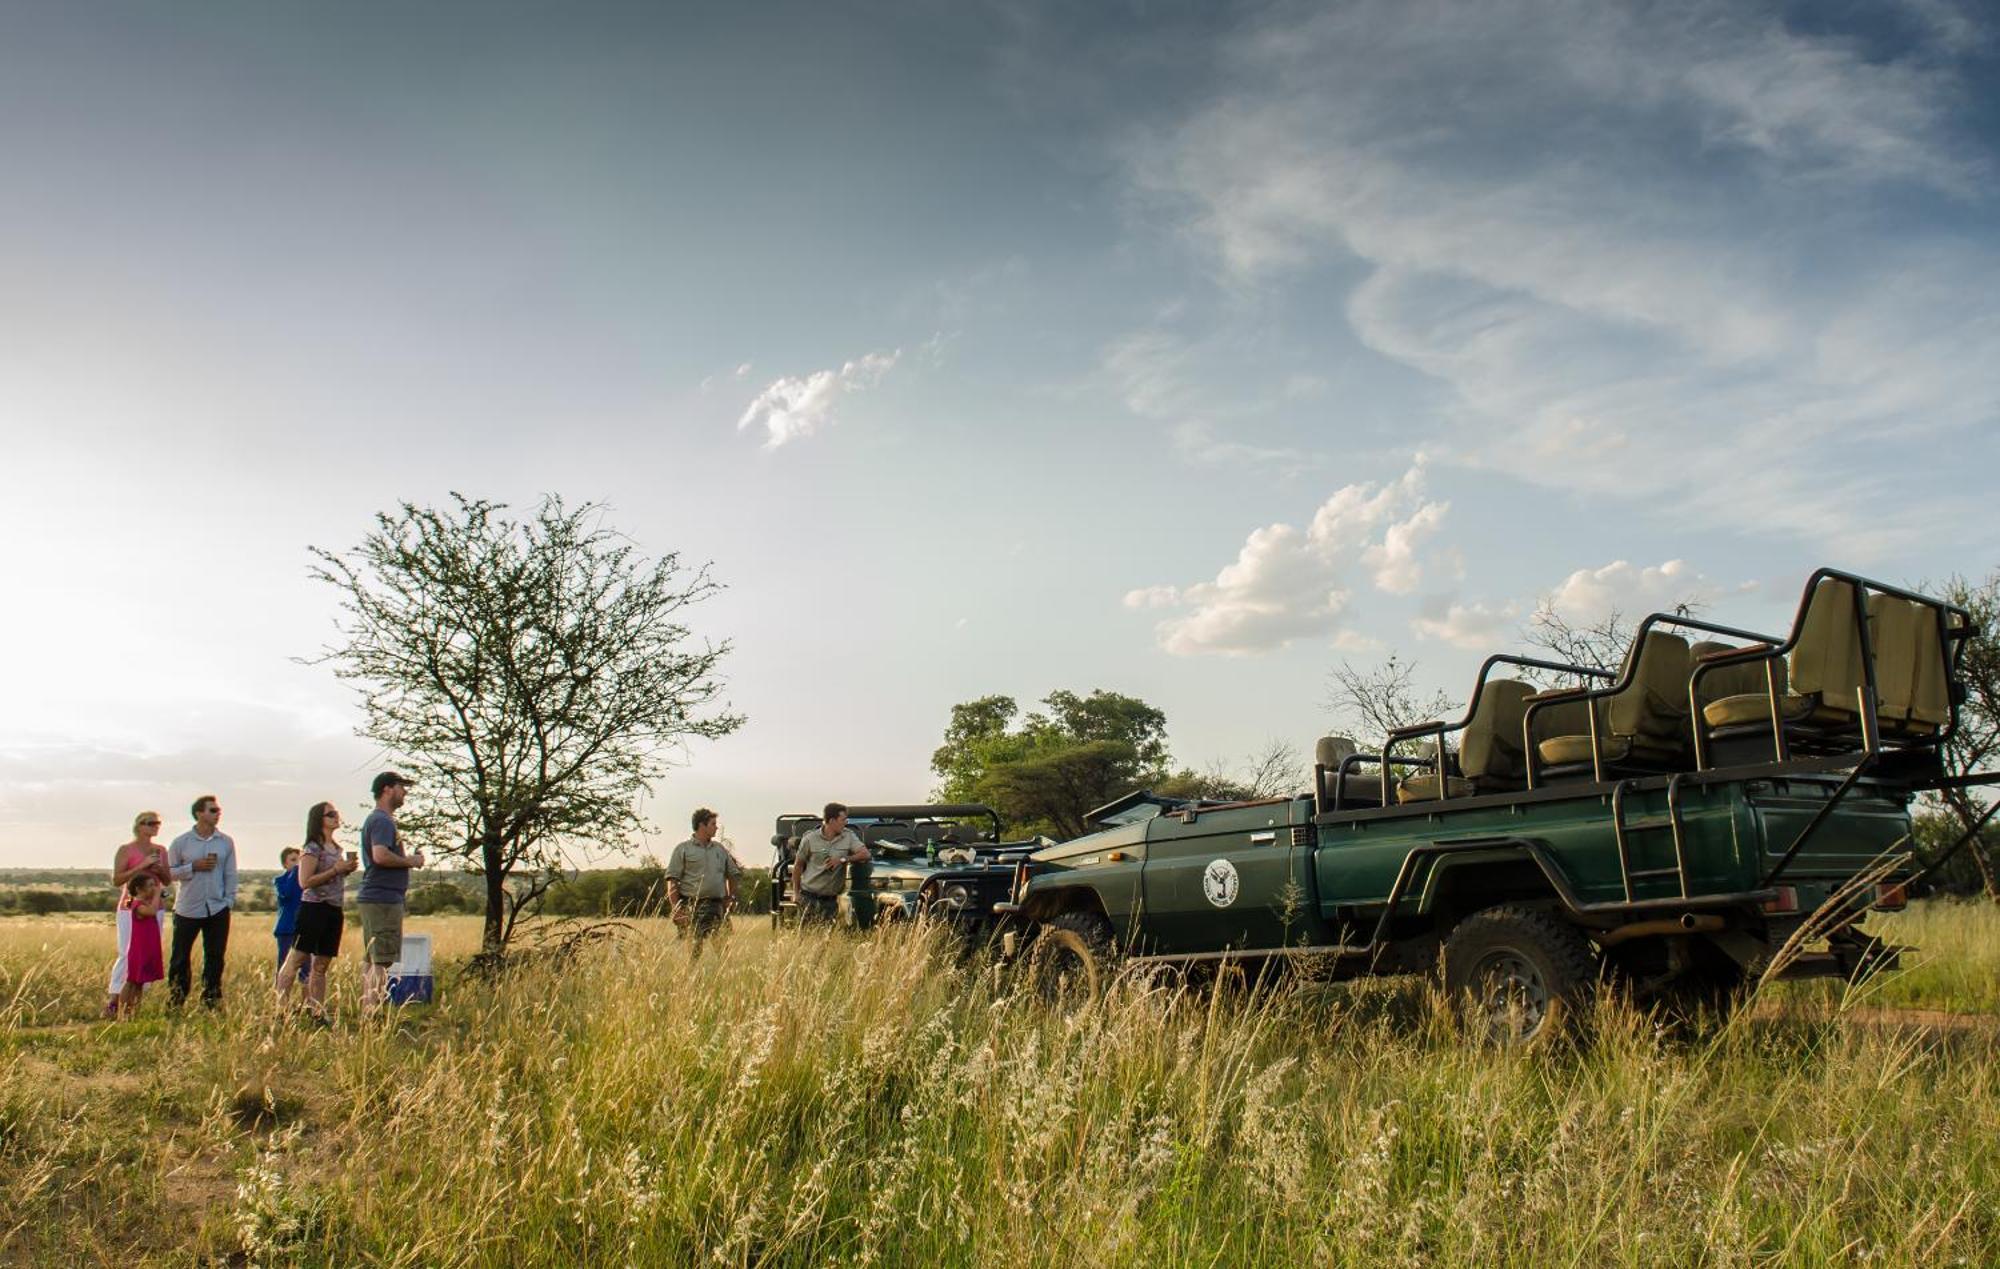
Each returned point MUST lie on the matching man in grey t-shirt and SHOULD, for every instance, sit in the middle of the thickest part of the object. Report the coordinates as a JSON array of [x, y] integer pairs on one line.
[[820, 869], [385, 881], [701, 878]]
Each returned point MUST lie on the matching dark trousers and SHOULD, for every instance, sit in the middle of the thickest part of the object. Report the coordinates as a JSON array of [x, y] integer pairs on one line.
[[818, 909], [708, 917], [214, 932]]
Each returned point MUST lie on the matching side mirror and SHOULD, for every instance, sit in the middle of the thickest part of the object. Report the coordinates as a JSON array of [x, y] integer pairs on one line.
[[778, 839]]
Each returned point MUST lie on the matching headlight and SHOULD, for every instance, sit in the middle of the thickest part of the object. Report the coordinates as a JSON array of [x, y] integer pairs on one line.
[[957, 895]]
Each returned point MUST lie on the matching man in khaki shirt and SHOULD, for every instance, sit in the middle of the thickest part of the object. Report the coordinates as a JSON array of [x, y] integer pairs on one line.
[[702, 875], [820, 869]]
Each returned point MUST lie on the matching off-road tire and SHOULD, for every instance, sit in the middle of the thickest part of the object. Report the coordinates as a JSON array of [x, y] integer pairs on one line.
[[1528, 975], [1072, 958]]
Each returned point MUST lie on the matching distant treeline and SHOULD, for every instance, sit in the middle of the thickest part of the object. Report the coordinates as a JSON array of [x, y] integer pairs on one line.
[[593, 892]]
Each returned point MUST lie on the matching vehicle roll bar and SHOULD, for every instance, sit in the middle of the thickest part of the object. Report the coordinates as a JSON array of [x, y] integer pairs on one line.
[[1954, 628], [1623, 679]]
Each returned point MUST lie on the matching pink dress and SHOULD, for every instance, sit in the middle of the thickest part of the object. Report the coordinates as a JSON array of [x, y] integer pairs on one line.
[[142, 959]]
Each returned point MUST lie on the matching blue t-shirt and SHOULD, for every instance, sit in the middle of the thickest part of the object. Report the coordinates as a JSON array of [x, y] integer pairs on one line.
[[380, 885], [287, 885]]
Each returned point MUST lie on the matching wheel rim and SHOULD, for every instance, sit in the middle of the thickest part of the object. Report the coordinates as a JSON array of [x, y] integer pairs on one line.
[[1512, 994]]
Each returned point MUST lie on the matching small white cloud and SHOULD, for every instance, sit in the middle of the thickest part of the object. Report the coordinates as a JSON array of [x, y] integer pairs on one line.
[[1477, 627], [800, 405], [742, 370], [1153, 597], [1288, 583]]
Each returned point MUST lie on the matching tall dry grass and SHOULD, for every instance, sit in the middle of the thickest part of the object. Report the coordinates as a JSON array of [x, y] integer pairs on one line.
[[800, 1100]]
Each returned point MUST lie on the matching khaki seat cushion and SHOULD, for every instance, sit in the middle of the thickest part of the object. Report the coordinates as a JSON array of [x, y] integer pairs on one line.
[[1424, 788], [1561, 750], [1755, 707]]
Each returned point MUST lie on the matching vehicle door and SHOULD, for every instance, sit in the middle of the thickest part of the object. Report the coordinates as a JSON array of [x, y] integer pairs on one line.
[[1232, 878]]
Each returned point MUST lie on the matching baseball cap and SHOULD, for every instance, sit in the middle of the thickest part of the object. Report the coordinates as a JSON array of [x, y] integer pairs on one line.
[[388, 778]]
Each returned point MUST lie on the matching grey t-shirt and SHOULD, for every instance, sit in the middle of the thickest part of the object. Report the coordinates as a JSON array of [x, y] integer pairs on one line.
[[313, 858], [702, 870], [380, 885], [824, 860]]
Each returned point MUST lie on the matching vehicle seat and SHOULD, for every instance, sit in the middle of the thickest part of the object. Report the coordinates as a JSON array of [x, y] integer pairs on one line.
[[1356, 788], [1819, 684], [1489, 752], [1911, 675], [1644, 724]]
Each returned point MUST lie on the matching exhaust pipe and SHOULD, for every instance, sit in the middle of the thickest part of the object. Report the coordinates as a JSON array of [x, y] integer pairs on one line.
[[1686, 923]]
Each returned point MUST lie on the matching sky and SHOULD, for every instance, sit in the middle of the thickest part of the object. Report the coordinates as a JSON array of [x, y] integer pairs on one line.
[[1182, 350]]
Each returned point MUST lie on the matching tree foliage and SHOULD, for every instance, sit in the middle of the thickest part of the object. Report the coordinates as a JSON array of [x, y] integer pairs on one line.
[[1044, 773], [1975, 746], [535, 675]]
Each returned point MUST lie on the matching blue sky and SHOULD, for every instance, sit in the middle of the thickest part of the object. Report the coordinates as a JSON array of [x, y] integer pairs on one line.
[[1179, 350]]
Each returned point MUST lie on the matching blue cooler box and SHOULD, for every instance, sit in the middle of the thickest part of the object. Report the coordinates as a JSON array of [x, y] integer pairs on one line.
[[410, 978]]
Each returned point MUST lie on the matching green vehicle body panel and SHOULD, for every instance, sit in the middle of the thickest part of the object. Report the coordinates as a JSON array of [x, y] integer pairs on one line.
[[1301, 880]]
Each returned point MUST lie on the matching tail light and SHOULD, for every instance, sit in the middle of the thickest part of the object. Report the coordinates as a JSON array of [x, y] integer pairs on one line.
[[1785, 900], [1890, 896]]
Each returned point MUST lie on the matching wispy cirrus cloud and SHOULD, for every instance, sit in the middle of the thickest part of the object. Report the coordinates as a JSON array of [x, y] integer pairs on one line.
[[798, 406], [1681, 256], [1289, 583]]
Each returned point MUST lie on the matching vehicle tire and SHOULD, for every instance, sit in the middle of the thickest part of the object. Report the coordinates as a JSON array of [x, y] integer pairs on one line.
[[1528, 975], [1071, 960]]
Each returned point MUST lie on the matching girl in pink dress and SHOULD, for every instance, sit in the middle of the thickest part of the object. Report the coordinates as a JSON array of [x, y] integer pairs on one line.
[[143, 963]]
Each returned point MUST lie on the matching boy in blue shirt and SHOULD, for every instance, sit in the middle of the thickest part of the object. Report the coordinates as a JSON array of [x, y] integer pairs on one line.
[[286, 883]]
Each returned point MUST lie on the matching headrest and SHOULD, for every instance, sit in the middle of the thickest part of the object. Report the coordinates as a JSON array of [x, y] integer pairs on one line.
[[1331, 751]]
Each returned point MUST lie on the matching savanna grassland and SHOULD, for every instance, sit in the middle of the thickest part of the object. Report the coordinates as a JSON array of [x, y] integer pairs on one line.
[[803, 1100]]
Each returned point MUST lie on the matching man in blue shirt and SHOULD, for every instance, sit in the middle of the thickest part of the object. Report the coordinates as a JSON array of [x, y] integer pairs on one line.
[[385, 882], [203, 861]]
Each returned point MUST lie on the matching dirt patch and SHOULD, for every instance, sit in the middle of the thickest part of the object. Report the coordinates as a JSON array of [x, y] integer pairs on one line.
[[1942, 1020]]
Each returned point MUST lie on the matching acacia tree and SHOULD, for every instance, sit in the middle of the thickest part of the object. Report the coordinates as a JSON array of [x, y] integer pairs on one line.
[[536, 675]]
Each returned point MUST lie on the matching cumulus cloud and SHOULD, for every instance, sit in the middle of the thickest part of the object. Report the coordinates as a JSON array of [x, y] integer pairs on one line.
[[798, 406], [1591, 594], [1288, 583], [1650, 301]]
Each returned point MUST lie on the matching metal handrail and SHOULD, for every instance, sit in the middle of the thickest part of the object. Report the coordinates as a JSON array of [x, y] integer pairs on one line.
[[1440, 729], [1340, 776]]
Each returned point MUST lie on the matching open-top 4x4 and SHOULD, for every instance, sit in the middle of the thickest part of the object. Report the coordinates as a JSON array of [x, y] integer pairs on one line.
[[1710, 813], [942, 860]]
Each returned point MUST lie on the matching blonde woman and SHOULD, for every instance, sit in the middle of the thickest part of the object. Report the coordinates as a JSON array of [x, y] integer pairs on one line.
[[140, 857]]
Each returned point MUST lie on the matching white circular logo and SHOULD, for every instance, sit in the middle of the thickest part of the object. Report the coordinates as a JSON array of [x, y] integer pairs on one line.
[[1218, 882]]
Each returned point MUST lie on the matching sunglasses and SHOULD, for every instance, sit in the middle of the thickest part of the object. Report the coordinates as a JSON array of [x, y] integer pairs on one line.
[[149, 823]]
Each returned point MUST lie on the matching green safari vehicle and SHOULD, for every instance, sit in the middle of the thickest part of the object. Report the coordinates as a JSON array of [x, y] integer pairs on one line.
[[1712, 812]]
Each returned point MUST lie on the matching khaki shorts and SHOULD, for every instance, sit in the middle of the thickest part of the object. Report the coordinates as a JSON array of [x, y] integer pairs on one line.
[[381, 932]]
